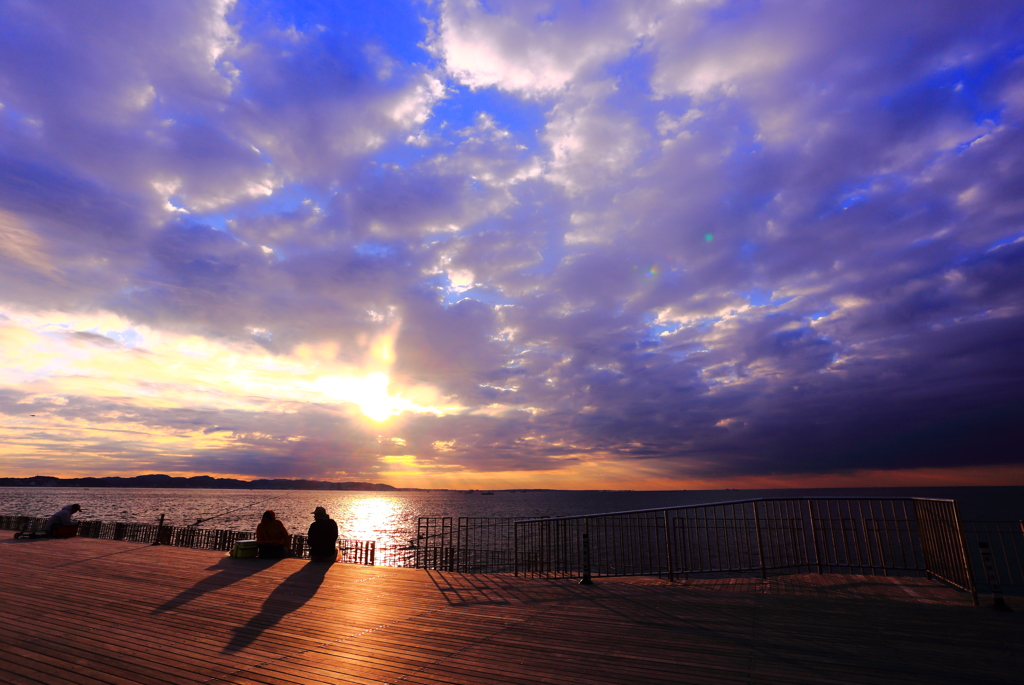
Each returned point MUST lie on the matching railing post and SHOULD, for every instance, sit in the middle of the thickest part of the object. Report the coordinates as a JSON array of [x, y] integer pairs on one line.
[[419, 556], [964, 558], [515, 546], [760, 547], [668, 548], [923, 532], [814, 535], [585, 580], [159, 531]]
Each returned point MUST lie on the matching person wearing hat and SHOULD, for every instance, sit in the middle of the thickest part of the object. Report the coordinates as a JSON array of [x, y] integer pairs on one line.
[[323, 537], [62, 519]]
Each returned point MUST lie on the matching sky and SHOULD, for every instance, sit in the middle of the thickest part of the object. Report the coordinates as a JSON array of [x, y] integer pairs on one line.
[[662, 244]]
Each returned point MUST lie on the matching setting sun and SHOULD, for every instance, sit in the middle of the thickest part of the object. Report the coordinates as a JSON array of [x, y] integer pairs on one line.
[[369, 393]]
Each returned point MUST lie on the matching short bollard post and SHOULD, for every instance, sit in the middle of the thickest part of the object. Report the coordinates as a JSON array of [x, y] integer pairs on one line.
[[159, 531], [998, 603], [585, 580]]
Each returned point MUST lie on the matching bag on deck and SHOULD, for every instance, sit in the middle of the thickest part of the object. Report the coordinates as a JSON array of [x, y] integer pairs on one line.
[[244, 549]]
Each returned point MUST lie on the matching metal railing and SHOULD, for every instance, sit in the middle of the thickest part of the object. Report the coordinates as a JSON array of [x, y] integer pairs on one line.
[[824, 535], [818, 535], [466, 544], [1006, 541], [349, 551]]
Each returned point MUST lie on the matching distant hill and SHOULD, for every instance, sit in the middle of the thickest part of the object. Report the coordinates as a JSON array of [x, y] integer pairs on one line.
[[163, 481]]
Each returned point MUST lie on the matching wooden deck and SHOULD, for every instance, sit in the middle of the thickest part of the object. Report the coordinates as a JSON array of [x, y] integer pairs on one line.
[[97, 611]]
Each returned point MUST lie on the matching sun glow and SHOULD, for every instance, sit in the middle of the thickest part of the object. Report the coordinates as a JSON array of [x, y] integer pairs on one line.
[[369, 393]]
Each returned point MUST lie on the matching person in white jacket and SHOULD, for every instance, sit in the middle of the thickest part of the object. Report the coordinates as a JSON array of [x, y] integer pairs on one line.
[[62, 518]]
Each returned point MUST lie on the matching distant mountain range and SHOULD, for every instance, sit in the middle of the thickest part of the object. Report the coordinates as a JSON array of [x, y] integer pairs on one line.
[[164, 481]]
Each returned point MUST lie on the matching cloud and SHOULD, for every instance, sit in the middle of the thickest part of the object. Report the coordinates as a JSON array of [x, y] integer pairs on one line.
[[534, 48], [681, 240]]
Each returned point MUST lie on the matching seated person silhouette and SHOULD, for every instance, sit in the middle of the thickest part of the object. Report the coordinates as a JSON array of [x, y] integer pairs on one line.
[[323, 537], [60, 524], [272, 537]]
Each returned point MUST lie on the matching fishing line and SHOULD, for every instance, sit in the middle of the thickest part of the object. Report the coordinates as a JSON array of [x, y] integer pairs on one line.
[[198, 521]]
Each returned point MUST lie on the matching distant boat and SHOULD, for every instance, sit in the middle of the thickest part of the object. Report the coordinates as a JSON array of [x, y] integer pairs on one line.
[[486, 493]]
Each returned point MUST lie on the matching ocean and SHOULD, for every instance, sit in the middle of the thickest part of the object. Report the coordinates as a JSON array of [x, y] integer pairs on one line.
[[390, 517]]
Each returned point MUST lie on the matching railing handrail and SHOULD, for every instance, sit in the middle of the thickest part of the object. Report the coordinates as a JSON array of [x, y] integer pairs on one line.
[[721, 504]]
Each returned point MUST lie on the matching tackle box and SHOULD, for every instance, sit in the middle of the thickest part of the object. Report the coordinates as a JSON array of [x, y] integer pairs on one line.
[[244, 549]]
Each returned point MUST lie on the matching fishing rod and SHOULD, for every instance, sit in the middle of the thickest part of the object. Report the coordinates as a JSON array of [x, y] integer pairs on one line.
[[198, 521]]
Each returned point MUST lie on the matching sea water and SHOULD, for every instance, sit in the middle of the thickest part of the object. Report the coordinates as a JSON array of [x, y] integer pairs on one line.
[[391, 516]]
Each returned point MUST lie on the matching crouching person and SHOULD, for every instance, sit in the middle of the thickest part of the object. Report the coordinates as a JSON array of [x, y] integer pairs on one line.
[[323, 537], [60, 524], [272, 537]]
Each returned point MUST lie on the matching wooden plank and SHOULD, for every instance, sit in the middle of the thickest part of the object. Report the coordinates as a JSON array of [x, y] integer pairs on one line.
[[171, 616]]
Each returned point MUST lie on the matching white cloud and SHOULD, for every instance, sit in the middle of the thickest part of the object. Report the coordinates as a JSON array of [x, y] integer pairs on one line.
[[531, 47]]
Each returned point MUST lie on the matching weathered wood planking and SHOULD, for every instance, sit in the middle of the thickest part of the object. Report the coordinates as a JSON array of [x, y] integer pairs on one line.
[[97, 611]]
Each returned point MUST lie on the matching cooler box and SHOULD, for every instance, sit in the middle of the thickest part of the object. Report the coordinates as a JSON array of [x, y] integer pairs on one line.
[[65, 531], [245, 549]]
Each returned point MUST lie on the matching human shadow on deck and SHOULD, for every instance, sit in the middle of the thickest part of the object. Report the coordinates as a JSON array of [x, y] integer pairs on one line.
[[291, 594], [229, 571]]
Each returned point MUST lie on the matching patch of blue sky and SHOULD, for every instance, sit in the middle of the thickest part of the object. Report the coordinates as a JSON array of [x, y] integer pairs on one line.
[[438, 281], [168, 110], [655, 329], [660, 328], [731, 12], [523, 119], [846, 196], [820, 313], [759, 297], [1002, 242], [852, 199], [129, 337], [396, 25], [749, 249], [551, 255], [478, 293], [633, 92], [401, 154], [15, 117], [969, 90], [176, 202], [375, 250], [679, 354], [977, 85], [215, 220], [285, 200]]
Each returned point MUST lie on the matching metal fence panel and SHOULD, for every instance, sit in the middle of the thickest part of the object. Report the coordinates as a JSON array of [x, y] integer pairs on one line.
[[825, 535]]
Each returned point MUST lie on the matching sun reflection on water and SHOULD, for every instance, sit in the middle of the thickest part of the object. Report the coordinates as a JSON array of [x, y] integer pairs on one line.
[[366, 516]]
